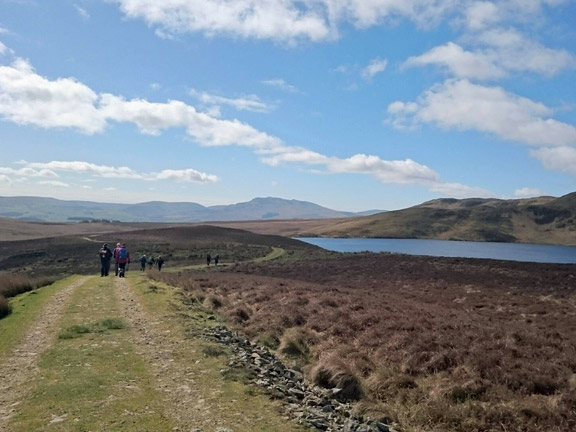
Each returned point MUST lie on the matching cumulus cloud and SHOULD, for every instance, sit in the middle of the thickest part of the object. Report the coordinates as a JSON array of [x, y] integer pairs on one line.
[[247, 103], [503, 53], [481, 14], [458, 62], [514, 52], [284, 21], [28, 98], [462, 105], [561, 158], [375, 67], [187, 176]]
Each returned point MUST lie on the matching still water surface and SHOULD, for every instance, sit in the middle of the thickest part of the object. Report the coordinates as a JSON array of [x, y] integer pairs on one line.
[[445, 248]]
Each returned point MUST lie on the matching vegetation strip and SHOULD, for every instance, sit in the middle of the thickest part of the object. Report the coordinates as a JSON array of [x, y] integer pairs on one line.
[[20, 367]]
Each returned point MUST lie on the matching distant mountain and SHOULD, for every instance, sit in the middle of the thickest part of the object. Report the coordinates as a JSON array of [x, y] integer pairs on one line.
[[39, 209], [544, 220]]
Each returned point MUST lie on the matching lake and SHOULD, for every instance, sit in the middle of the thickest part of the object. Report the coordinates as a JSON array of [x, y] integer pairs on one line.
[[445, 248]]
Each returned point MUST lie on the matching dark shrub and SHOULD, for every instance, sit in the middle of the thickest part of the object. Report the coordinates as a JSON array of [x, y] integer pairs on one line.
[[5, 308]]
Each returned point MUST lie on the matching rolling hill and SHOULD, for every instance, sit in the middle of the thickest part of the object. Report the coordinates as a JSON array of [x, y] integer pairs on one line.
[[545, 220], [38, 209]]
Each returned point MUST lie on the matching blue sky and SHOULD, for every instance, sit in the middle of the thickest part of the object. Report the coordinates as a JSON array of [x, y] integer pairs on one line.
[[350, 104]]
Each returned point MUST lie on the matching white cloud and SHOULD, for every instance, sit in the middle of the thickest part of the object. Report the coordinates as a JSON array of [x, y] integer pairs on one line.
[[557, 158], [188, 176], [527, 192], [4, 49], [481, 14], [246, 103], [375, 67], [458, 190], [514, 52], [86, 167], [28, 98], [54, 183], [28, 172], [399, 172], [462, 105], [259, 19], [281, 84], [503, 52], [460, 63], [82, 12]]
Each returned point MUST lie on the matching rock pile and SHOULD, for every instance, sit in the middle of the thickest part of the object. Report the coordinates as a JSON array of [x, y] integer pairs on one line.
[[310, 405]]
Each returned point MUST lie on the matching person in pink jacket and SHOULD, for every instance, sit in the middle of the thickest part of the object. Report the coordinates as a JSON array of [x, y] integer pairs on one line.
[[122, 257]]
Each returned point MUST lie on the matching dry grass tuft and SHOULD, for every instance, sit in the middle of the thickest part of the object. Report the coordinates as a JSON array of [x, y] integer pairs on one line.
[[295, 343], [332, 372]]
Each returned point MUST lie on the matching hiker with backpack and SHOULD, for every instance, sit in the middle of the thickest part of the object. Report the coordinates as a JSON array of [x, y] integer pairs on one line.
[[123, 258], [105, 256]]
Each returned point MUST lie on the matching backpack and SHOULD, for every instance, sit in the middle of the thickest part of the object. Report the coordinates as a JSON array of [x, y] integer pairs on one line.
[[123, 254]]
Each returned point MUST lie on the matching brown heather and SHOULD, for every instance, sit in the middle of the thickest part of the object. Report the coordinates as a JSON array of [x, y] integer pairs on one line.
[[12, 285], [434, 344]]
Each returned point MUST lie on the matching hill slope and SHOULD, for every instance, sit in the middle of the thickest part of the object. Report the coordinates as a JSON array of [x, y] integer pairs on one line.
[[545, 220]]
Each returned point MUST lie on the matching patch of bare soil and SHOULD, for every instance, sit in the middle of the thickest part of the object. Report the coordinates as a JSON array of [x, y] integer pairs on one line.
[[20, 367]]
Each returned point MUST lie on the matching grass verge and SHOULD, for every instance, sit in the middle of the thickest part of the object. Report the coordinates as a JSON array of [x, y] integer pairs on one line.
[[25, 309], [230, 401]]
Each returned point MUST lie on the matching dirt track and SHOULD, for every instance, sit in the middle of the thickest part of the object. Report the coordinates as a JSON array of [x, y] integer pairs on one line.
[[20, 367]]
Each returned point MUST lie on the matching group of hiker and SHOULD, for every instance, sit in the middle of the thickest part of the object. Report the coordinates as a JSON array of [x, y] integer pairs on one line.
[[122, 259], [151, 262], [209, 259]]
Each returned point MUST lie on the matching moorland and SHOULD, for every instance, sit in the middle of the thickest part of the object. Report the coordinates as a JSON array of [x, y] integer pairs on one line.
[[543, 220], [427, 344]]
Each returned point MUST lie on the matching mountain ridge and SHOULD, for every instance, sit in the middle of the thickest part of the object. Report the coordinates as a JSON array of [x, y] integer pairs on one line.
[[43, 209]]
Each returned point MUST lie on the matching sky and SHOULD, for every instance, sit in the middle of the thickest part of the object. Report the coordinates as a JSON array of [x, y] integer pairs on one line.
[[349, 104]]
